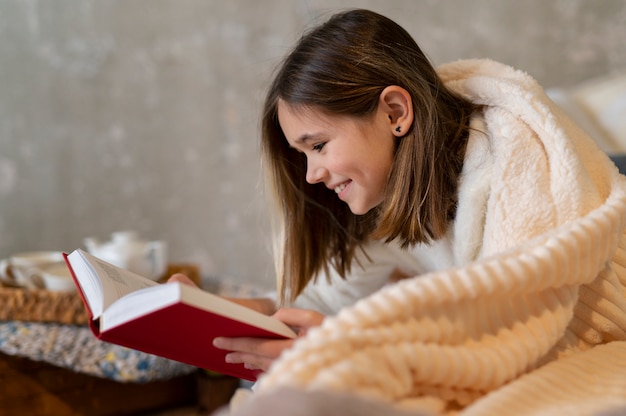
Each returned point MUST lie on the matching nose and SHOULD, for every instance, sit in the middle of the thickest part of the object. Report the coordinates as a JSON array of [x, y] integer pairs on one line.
[[315, 173]]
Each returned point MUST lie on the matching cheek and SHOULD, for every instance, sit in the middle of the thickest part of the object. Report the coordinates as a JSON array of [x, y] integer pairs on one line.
[[384, 161], [342, 160]]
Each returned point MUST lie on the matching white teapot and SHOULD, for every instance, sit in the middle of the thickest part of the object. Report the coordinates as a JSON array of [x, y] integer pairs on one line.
[[126, 250]]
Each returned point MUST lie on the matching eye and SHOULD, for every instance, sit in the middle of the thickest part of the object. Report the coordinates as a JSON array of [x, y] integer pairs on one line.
[[319, 146]]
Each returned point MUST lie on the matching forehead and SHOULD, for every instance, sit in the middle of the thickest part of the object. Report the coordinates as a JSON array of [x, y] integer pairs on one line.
[[299, 121], [296, 120], [300, 113]]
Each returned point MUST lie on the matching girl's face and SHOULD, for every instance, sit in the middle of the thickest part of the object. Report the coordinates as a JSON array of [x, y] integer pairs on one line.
[[351, 156]]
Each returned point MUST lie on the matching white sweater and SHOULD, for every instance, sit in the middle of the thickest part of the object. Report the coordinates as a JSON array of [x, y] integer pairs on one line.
[[521, 309]]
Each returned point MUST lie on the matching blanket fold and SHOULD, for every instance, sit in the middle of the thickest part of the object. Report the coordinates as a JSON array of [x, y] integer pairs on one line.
[[545, 294]]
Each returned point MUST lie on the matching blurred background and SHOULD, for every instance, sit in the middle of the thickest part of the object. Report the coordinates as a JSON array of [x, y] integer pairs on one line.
[[144, 114]]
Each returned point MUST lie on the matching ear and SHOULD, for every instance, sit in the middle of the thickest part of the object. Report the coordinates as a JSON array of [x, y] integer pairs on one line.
[[396, 103]]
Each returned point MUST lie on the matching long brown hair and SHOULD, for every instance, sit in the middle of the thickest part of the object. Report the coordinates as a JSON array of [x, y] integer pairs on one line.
[[341, 67]]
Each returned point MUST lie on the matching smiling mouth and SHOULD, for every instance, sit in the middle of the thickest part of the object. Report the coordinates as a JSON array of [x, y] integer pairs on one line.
[[341, 187]]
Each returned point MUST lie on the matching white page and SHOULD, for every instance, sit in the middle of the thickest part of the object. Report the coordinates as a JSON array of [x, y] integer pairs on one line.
[[102, 283]]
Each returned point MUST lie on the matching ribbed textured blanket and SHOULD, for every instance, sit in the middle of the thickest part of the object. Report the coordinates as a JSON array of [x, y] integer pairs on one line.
[[538, 322]]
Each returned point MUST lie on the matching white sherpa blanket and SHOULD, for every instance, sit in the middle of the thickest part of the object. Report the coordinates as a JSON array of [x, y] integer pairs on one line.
[[538, 322]]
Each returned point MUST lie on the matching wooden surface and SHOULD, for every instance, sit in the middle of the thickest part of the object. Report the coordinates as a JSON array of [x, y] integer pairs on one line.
[[34, 388]]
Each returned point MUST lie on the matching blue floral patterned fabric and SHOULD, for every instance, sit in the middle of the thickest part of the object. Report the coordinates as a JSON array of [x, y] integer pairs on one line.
[[75, 348]]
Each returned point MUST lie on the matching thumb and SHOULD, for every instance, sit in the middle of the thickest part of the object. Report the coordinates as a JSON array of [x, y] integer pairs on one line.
[[181, 278], [302, 319]]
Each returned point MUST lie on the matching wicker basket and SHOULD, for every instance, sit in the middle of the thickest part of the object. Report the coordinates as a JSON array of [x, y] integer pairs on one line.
[[41, 306], [61, 307]]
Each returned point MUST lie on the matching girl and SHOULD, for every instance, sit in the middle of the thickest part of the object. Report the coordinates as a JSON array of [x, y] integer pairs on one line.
[[503, 215], [355, 153]]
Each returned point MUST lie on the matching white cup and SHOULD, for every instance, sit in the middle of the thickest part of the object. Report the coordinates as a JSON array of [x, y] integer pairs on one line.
[[24, 269], [55, 277]]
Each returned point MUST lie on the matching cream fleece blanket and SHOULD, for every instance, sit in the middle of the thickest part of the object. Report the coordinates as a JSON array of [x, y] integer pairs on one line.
[[538, 322]]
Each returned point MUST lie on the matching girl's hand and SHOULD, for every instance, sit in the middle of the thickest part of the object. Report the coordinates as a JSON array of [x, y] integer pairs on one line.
[[259, 353]]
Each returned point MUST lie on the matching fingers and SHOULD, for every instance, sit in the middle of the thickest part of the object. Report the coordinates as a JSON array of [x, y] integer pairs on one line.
[[270, 348], [254, 353], [181, 278], [250, 361], [259, 353]]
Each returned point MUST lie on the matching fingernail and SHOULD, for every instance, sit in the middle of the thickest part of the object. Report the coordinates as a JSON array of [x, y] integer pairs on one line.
[[218, 342], [228, 358]]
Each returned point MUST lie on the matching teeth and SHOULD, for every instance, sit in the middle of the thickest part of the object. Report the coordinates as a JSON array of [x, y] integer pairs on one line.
[[340, 188]]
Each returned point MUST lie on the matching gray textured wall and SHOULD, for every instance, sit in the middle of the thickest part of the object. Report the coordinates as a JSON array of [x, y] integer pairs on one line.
[[143, 114]]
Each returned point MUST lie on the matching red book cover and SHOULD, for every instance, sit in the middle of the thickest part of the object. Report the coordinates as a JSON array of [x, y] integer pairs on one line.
[[183, 329], [184, 333]]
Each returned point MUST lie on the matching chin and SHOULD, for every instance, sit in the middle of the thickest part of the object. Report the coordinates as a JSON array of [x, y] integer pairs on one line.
[[360, 210]]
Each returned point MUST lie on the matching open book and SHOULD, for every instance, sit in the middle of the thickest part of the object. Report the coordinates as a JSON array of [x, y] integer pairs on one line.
[[171, 320]]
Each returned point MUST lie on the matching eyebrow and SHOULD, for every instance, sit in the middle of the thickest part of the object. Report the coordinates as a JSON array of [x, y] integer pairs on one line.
[[308, 137], [305, 138]]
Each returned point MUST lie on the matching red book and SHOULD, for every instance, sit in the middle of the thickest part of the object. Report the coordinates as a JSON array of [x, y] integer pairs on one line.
[[171, 320]]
